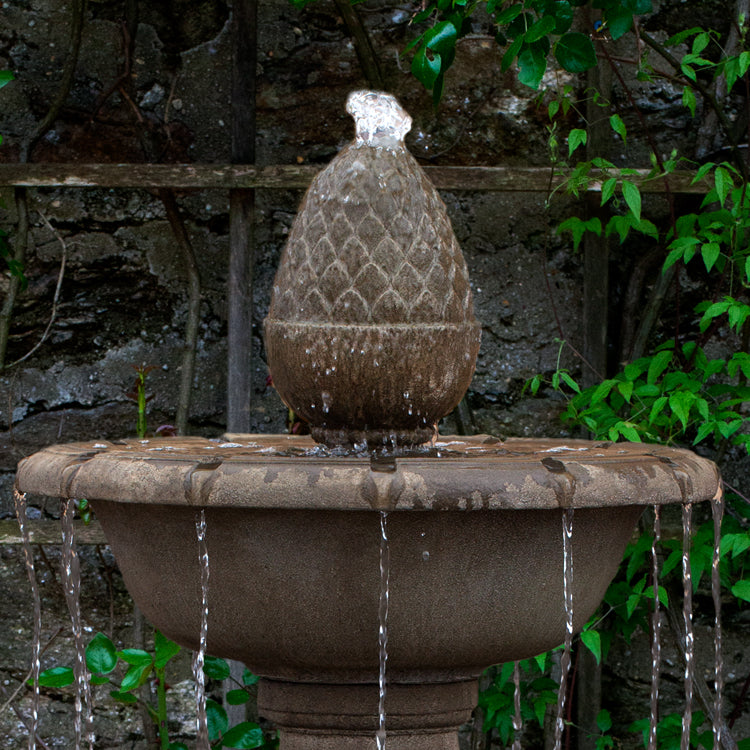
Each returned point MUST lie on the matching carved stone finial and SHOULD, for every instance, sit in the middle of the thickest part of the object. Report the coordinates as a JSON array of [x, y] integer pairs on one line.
[[371, 333]]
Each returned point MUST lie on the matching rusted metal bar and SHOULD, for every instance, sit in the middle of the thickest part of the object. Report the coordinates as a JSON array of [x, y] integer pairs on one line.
[[241, 219], [48, 532], [293, 176]]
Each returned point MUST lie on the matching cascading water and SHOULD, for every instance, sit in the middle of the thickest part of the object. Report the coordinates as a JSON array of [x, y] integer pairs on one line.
[[385, 564], [655, 633], [19, 500], [202, 741], [567, 528], [687, 592], [717, 509], [71, 578], [517, 719]]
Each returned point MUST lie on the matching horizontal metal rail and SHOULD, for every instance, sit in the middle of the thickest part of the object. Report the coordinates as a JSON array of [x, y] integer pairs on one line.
[[48, 532], [292, 176]]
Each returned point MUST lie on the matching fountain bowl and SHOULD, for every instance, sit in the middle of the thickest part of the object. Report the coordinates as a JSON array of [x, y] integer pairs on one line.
[[293, 532]]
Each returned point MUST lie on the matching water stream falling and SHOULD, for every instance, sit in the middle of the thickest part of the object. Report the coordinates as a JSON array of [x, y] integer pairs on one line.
[[202, 741], [717, 508], [36, 641], [71, 579], [517, 719], [385, 563], [687, 591], [655, 633], [567, 526]]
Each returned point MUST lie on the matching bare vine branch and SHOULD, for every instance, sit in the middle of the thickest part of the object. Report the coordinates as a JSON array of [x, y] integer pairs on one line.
[[194, 301], [55, 299]]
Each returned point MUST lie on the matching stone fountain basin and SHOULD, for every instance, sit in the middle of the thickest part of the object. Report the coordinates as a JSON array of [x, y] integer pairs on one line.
[[293, 537]]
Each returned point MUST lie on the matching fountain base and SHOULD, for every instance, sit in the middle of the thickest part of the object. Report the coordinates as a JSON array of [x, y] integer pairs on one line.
[[319, 716]]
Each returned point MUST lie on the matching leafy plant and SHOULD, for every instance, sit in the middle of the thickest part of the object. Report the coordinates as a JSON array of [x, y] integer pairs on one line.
[[140, 397], [138, 666]]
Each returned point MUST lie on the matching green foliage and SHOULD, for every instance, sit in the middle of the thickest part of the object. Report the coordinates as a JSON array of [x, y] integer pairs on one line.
[[537, 692], [681, 391], [138, 395], [137, 666], [676, 395], [669, 732]]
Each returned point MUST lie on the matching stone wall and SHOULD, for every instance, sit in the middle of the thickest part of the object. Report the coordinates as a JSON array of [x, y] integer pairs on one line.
[[123, 298]]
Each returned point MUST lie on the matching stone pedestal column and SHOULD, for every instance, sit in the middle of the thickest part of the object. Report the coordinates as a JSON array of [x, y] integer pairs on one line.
[[318, 716]]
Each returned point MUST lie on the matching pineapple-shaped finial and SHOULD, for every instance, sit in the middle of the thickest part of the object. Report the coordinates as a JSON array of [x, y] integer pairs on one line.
[[371, 333]]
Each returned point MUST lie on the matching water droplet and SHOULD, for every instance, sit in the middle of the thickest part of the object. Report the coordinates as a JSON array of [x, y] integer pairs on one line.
[[326, 397], [425, 555]]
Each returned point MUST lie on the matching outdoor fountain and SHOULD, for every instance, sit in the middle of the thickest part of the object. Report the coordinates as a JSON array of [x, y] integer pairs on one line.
[[442, 555]]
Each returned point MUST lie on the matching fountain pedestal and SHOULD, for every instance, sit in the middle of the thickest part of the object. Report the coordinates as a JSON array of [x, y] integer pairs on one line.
[[345, 717]]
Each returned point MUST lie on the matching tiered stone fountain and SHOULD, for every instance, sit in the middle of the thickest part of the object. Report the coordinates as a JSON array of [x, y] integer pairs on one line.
[[371, 339]]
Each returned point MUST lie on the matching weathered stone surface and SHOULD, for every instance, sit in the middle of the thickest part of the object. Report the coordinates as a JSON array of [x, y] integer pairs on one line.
[[306, 68]]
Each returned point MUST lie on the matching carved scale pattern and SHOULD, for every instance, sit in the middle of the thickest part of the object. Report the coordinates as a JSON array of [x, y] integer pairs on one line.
[[372, 244]]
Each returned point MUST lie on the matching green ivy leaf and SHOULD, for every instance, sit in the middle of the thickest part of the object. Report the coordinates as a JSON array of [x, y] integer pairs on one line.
[[608, 189], [135, 656], [506, 15], [629, 431], [243, 736], [723, 183], [248, 678], [101, 655], [619, 20], [741, 589], [680, 403], [165, 649], [577, 137], [541, 28], [426, 69], [577, 227], [218, 721], [568, 380], [618, 126], [710, 252], [604, 720], [562, 12], [657, 408], [216, 668], [135, 677], [56, 677], [658, 364], [688, 100], [532, 63], [441, 38], [122, 697], [593, 642], [237, 697], [632, 196], [626, 389], [510, 54], [575, 52]]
